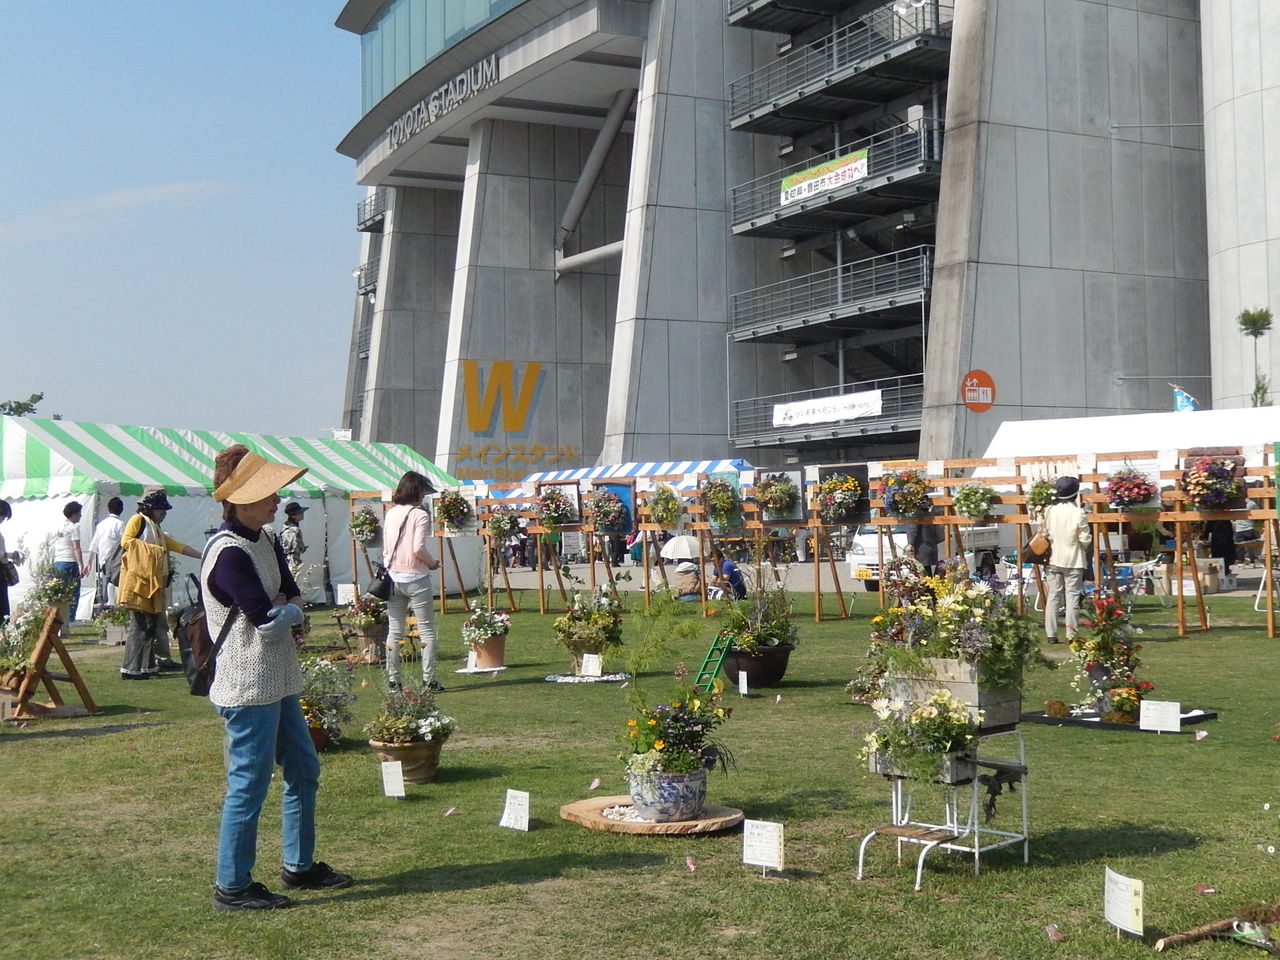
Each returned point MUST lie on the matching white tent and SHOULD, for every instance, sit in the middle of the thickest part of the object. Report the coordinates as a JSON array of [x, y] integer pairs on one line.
[[48, 463]]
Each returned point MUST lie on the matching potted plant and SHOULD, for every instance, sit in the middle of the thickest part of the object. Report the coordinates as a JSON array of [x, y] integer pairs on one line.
[[454, 510], [838, 499], [111, 622], [1210, 483], [555, 509], [1253, 922], [1042, 494], [949, 632], [606, 511], [485, 633], [327, 694], [722, 502], [665, 507], [761, 635], [974, 500], [669, 749], [365, 526], [503, 523], [904, 493], [593, 624], [926, 740], [1106, 657], [1128, 488], [17, 642], [411, 729], [777, 494], [369, 616]]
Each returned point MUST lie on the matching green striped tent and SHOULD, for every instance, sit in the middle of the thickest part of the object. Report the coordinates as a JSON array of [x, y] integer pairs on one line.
[[48, 463]]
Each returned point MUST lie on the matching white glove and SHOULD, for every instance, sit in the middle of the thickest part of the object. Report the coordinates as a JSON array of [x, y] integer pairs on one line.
[[280, 626]]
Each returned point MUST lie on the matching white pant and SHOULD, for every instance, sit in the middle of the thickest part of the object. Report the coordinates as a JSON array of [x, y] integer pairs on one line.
[[1059, 580], [419, 596]]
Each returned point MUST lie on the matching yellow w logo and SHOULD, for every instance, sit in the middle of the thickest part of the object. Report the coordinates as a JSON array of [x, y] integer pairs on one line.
[[499, 385]]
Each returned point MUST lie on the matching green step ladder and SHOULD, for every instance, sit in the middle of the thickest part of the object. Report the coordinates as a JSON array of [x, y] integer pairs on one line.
[[711, 663]]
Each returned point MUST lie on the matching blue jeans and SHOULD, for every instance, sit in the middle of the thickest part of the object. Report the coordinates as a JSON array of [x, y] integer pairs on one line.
[[256, 739]]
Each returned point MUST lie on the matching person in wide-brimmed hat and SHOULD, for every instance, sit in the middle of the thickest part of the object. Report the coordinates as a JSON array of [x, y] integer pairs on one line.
[[1068, 532], [144, 574], [252, 600]]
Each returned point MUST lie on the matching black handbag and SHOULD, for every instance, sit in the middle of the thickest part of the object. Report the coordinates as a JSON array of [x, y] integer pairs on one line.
[[380, 586]]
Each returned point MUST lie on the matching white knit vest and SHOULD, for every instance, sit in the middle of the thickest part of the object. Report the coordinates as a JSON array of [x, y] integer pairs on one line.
[[251, 670]]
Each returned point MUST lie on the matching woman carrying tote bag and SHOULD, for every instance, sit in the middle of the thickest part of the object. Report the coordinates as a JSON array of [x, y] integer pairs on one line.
[[410, 564], [1068, 533]]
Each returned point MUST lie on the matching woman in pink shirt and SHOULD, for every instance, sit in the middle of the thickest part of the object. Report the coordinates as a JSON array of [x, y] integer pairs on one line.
[[406, 531]]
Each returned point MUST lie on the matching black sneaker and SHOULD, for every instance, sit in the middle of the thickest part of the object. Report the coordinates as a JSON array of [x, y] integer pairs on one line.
[[436, 687], [318, 876], [253, 897]]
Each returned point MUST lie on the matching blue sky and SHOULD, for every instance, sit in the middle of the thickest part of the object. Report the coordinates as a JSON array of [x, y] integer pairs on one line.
[[177, 232]]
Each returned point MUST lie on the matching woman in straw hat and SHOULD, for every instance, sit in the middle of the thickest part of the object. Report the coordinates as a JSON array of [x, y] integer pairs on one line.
[[256, 685]]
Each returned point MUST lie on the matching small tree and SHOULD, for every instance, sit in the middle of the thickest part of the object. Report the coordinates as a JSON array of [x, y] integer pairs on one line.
[[21, 408], [1254, 323]]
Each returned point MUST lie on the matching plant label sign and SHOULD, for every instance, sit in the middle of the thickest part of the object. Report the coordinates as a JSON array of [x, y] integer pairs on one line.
[[6, 705], [471, 659], [742, 683], [515, 812], [392, 778], [1122, 902], [592, 665], [762, 844], [1162, 716], [344, 593]]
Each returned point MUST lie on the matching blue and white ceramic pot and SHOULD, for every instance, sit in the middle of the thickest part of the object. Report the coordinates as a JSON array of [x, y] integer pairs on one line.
[[663, 797]]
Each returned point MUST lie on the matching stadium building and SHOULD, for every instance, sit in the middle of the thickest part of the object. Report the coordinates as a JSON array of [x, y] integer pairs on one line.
[[800, 230]]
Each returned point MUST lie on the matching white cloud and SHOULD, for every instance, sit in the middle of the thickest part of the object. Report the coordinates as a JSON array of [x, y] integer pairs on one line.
[[79, 216]]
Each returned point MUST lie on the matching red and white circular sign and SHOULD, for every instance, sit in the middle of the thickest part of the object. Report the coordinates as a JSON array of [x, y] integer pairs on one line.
[[978, 390]]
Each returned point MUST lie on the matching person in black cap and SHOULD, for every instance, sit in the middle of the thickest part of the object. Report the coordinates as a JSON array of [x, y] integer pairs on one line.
[[291, 535], [1068, 532], [144, 574]]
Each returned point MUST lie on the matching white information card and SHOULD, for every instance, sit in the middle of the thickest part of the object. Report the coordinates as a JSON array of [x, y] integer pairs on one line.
[[592, 665], [515, 813], [393, 778], [1163, 716], [762, 844], [6, 705], [742, 683], [1122, 902]]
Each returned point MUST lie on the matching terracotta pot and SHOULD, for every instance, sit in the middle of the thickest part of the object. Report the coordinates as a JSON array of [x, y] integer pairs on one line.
[[765, 668], [320, 737], [418, 759], [491, 653]]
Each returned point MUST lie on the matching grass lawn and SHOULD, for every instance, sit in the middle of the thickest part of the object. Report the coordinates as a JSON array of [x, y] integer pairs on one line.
[[108, 823]]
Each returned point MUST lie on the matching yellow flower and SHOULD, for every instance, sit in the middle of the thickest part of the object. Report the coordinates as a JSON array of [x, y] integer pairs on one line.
[[653, 722], [659, 744], [631, 722]]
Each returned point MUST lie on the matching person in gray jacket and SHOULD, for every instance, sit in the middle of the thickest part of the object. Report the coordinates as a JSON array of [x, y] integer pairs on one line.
[[1068, 532]]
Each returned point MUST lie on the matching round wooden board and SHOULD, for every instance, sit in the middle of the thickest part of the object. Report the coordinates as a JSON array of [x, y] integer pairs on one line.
[[590, 813]]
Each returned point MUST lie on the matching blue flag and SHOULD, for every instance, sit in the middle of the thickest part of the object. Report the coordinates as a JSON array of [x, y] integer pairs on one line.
[[1183, 400]]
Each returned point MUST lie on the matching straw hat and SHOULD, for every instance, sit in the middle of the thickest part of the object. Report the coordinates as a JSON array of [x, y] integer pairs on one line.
[[255, 478]]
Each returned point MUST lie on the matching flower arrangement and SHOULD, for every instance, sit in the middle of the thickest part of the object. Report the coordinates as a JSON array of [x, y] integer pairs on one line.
[[408, 714], [1107, 660], [592, 624], [366, 611], [327, 693], [777, 493], [454, 510], [838, 499], [483, 624], [503, 523], [111, 616], [364, 526], [665, 507], [1127, 488], [760, 620], [974, 499], [722, 501], [1210, 483], [904, 493], [606, 509], [675, 736], [18, 641], [948, 616], [916, 737], [1042, 494], [555, 509]]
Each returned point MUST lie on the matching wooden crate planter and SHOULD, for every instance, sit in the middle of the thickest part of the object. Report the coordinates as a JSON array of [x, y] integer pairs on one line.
[[1001, 707], [956, 768]]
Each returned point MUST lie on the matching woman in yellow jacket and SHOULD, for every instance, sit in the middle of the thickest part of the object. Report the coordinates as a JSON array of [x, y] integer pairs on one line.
[[144, 573]]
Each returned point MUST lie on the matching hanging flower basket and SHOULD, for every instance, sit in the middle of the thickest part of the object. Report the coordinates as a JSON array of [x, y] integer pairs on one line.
[[838, 499], [364, 526], [555, 509], [1211, 483], [1041, 495], [665, 507], [777, 494], [454, 511], [904, 493], [605, 509], [974, 500], [722, 502], [503, 523], [1128, 488]]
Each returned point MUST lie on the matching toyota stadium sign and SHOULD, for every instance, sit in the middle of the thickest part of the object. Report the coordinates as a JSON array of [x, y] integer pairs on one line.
[[453, 94]]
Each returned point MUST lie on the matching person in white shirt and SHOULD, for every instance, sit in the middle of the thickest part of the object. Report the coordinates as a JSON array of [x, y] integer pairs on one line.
[[106, 539], [1068, 532]]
